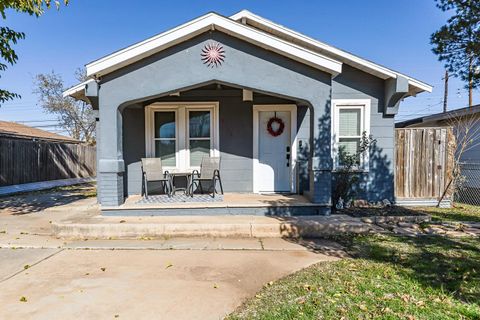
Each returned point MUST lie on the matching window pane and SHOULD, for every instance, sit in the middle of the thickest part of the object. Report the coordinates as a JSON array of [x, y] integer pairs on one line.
[[165, 124], [199, 124], [347, 147], [198, 149], [165, 149], [349, 122]]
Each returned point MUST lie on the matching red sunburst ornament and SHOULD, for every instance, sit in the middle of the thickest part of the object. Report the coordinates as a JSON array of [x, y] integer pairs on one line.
[[213, 54]]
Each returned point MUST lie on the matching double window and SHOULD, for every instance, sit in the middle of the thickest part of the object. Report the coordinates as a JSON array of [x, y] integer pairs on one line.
[[351, 120], [181, 135]]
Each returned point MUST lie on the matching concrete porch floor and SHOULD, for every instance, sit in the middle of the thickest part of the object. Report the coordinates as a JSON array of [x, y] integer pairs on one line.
[[230, 199], [231, 204]]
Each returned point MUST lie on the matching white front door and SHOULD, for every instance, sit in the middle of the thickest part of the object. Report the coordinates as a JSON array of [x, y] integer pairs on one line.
[[274, 154]]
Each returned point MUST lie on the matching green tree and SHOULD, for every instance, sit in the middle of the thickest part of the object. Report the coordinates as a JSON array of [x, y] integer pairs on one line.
[[457, 43], [9, 37]]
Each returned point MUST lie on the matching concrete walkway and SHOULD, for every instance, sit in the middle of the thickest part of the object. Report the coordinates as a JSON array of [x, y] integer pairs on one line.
[[139, 284], [42, 185], [42, 277]]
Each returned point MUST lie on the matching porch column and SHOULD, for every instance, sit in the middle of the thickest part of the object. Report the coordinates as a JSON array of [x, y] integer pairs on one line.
[[320, 166], [111, 166]]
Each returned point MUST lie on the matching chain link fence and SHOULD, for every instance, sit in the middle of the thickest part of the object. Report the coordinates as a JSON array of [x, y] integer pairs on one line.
[[469, 189]]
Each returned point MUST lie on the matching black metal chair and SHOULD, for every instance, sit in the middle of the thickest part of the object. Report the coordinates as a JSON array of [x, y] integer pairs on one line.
[[152, 171], [209, 172]]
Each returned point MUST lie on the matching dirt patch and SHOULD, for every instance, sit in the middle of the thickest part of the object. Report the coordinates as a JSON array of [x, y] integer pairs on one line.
[[382, 212]]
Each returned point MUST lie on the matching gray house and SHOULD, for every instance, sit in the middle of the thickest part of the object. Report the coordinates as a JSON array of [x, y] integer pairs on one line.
[[235, 74]]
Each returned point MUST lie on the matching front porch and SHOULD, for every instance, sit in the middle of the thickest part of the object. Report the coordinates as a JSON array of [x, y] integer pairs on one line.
[[231, 203]]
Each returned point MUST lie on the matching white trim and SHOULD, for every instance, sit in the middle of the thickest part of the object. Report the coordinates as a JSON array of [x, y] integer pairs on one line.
[[363, 64], [79, 88], [211, 21], [293, 140], [365, 106], [181, 109]]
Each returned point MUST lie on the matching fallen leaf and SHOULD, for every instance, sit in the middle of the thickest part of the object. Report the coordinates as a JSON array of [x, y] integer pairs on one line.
[[420, 303], [168, 265], [363, 307]]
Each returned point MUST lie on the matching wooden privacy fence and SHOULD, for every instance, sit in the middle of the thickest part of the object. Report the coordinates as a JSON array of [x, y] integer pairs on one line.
[[424, 162], [24, 161]]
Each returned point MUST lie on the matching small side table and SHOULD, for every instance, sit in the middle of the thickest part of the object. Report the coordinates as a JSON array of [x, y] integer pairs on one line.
[[179, 174]]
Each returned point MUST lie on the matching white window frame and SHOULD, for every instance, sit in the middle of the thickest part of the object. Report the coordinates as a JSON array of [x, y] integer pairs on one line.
[[364, 105], [181, 109], [188, 139]]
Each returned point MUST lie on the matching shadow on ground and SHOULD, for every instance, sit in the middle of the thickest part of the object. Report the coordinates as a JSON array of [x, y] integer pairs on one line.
[[38, 201], [448, 264]]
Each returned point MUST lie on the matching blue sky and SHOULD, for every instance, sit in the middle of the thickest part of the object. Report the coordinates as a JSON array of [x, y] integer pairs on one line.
[[392, 33]]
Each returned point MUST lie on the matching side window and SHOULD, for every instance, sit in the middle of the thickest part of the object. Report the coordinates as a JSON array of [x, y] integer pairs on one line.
[[351, 118]]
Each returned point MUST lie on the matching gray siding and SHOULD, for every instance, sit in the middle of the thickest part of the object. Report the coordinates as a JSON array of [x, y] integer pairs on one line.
[[355, 84]]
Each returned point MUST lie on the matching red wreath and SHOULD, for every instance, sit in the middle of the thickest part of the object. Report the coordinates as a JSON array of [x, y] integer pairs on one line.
[[281, 126]]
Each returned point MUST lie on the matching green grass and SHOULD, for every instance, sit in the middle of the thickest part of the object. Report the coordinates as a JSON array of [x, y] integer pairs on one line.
[[389, 278], [460, 212]]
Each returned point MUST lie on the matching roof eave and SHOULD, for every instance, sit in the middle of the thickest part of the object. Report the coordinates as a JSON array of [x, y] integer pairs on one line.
[[207, 22], [363, 64], [77, 91]]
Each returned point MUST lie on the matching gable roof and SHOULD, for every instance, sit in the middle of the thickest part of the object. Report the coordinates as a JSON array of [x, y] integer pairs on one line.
[[21, 131], [282, 32], [457, 113], [256, 30], [211, 21]]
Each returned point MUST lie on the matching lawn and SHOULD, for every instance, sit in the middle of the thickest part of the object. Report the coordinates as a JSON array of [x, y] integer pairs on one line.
[[389, 278], [460, 212]]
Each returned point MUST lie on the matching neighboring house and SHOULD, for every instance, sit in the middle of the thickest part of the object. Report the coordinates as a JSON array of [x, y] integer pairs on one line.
[[231, 76], [461, 120], [16, 130]]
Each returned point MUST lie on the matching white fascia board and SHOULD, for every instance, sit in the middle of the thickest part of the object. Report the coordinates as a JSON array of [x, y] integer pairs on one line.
[[75, 90], [377, 69], [207, 22]]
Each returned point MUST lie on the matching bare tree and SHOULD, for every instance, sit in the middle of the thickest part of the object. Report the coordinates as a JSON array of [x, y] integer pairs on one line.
[[76, 117], [466, 130]]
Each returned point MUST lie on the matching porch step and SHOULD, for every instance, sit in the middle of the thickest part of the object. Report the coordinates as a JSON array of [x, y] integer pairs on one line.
[[102, 227]]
